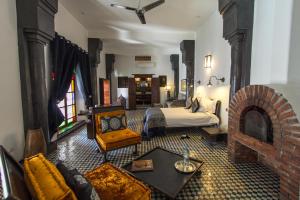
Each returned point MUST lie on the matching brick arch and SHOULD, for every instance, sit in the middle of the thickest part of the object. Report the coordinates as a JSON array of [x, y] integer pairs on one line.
[[284, 155]]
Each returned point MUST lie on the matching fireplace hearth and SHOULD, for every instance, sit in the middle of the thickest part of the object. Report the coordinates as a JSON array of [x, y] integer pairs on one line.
[[264, 128], [256, 123]]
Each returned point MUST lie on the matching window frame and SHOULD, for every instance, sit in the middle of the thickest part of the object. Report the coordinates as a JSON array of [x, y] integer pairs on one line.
[[65, 106]]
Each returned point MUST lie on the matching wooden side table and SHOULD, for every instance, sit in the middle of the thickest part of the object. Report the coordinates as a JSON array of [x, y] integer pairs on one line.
[[215, 134]]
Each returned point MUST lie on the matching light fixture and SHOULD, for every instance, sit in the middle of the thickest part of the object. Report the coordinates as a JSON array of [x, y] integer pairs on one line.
[[208, 61], [218, 79], [199, 82]]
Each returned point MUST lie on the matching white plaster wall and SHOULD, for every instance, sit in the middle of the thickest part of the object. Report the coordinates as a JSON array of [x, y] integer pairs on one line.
[[11, 116], [125, 66], [275, 48], [209, 40], [68, 26], [271, 41], [294, 62]]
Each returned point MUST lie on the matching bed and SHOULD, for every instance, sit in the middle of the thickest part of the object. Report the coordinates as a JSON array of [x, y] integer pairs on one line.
[[156, 120], [181, 117]]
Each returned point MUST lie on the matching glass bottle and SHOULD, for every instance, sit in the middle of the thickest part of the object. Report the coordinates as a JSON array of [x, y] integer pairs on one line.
[[186, 156]]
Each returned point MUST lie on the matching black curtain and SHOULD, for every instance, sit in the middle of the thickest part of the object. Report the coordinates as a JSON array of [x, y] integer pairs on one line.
[[65, 59], [84, 66]]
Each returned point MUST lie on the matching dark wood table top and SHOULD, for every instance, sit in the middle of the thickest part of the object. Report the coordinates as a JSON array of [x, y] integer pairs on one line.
[[164, 177]]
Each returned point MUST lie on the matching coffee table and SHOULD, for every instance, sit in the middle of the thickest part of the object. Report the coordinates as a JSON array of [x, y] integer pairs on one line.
[[164, 177]]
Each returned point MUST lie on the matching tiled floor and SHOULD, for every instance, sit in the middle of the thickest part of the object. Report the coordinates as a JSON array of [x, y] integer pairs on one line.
[[220, 178]]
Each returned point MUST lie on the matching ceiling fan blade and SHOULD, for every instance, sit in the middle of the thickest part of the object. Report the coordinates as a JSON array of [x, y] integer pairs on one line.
[[153, 5], [141, 17], [124, 7]]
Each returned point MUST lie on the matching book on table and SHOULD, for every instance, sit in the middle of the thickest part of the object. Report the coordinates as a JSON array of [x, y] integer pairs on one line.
[[142, 165]]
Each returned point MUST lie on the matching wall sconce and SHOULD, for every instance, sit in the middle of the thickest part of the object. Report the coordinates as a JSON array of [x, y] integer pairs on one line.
[[208, 61], [218, 79], [198, 82]]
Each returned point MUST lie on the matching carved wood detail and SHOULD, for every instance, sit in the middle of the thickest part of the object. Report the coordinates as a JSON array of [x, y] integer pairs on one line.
[[237, 29], [35, 20]]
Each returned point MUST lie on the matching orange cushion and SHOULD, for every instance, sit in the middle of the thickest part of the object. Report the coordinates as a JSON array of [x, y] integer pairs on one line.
[[113, 184], [118, 139], [44, 181], [105, 114]]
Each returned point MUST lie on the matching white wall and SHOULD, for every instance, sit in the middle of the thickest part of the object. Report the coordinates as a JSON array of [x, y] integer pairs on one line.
[[11, 117], [271, 41], [67, 26], [125, 66], [275, 48], [210, 40]]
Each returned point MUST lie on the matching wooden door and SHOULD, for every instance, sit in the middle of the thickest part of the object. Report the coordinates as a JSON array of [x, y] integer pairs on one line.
[[131, 94], [155, 89]]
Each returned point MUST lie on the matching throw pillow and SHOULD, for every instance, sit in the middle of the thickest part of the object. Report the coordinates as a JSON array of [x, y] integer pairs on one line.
[[114, 123], [77, 182], [188, 103], [208, 105], [195, 105]]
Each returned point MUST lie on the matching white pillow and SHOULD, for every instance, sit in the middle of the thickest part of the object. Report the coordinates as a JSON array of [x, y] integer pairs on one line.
[[207, 105]]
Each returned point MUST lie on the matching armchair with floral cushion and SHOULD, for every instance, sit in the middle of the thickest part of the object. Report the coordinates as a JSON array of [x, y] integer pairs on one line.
[[111, 131]]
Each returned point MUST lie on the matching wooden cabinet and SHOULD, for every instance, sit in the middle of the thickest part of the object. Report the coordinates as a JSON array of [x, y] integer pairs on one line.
[[104, 87]]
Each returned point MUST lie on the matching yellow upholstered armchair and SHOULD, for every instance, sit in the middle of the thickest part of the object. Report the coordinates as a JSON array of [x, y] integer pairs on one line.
[[115, 139]]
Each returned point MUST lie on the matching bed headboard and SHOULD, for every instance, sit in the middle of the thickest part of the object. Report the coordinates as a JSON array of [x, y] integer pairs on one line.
[[218, 110]]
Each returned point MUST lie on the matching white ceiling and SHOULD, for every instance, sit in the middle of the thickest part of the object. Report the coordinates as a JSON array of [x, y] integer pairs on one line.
[[167, 25]]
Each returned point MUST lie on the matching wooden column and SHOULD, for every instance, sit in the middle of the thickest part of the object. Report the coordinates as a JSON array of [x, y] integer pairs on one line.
[[174, 58], [95, 46], [237, 29], [187, 48], [35, 30], [109, 60]]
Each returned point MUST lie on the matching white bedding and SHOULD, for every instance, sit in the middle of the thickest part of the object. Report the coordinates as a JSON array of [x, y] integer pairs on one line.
[[181, 117]]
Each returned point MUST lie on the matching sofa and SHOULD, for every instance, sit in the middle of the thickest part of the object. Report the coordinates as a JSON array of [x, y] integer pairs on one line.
[[40, 179]]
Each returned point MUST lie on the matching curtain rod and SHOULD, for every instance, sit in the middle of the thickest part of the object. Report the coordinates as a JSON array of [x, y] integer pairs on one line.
[[69, 41]]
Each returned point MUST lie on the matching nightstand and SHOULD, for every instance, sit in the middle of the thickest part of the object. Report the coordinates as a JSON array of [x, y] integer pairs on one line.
[[215, 134]]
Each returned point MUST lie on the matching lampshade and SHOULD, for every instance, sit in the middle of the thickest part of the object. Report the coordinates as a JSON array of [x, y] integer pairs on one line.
[[208, 61]]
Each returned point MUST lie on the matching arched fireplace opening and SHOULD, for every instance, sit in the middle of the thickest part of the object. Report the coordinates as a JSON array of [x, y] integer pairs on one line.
[[255, 122]]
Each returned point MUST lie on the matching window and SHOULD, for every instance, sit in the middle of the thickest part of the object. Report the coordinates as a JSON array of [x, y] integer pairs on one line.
[[68, 106]]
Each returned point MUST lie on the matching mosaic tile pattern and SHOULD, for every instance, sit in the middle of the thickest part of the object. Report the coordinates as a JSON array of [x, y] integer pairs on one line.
[[220, 179]]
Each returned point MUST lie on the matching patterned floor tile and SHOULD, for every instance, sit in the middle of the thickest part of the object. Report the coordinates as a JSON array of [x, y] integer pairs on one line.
[[220, 179]]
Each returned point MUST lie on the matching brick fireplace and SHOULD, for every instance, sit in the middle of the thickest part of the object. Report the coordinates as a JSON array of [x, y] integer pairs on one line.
[[263, 127]]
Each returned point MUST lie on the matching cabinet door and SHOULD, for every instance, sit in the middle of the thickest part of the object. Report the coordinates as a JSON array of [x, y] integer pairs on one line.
[[155, 91], [131, 94]]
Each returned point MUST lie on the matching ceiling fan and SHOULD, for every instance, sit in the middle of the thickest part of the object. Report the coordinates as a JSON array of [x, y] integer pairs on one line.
[[140, 11]]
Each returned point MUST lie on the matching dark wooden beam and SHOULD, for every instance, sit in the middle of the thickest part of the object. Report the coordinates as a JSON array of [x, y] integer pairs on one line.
[[174, 58], [95, 46], [109, 60], [35, 30], [187, 48], [238, 30]]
